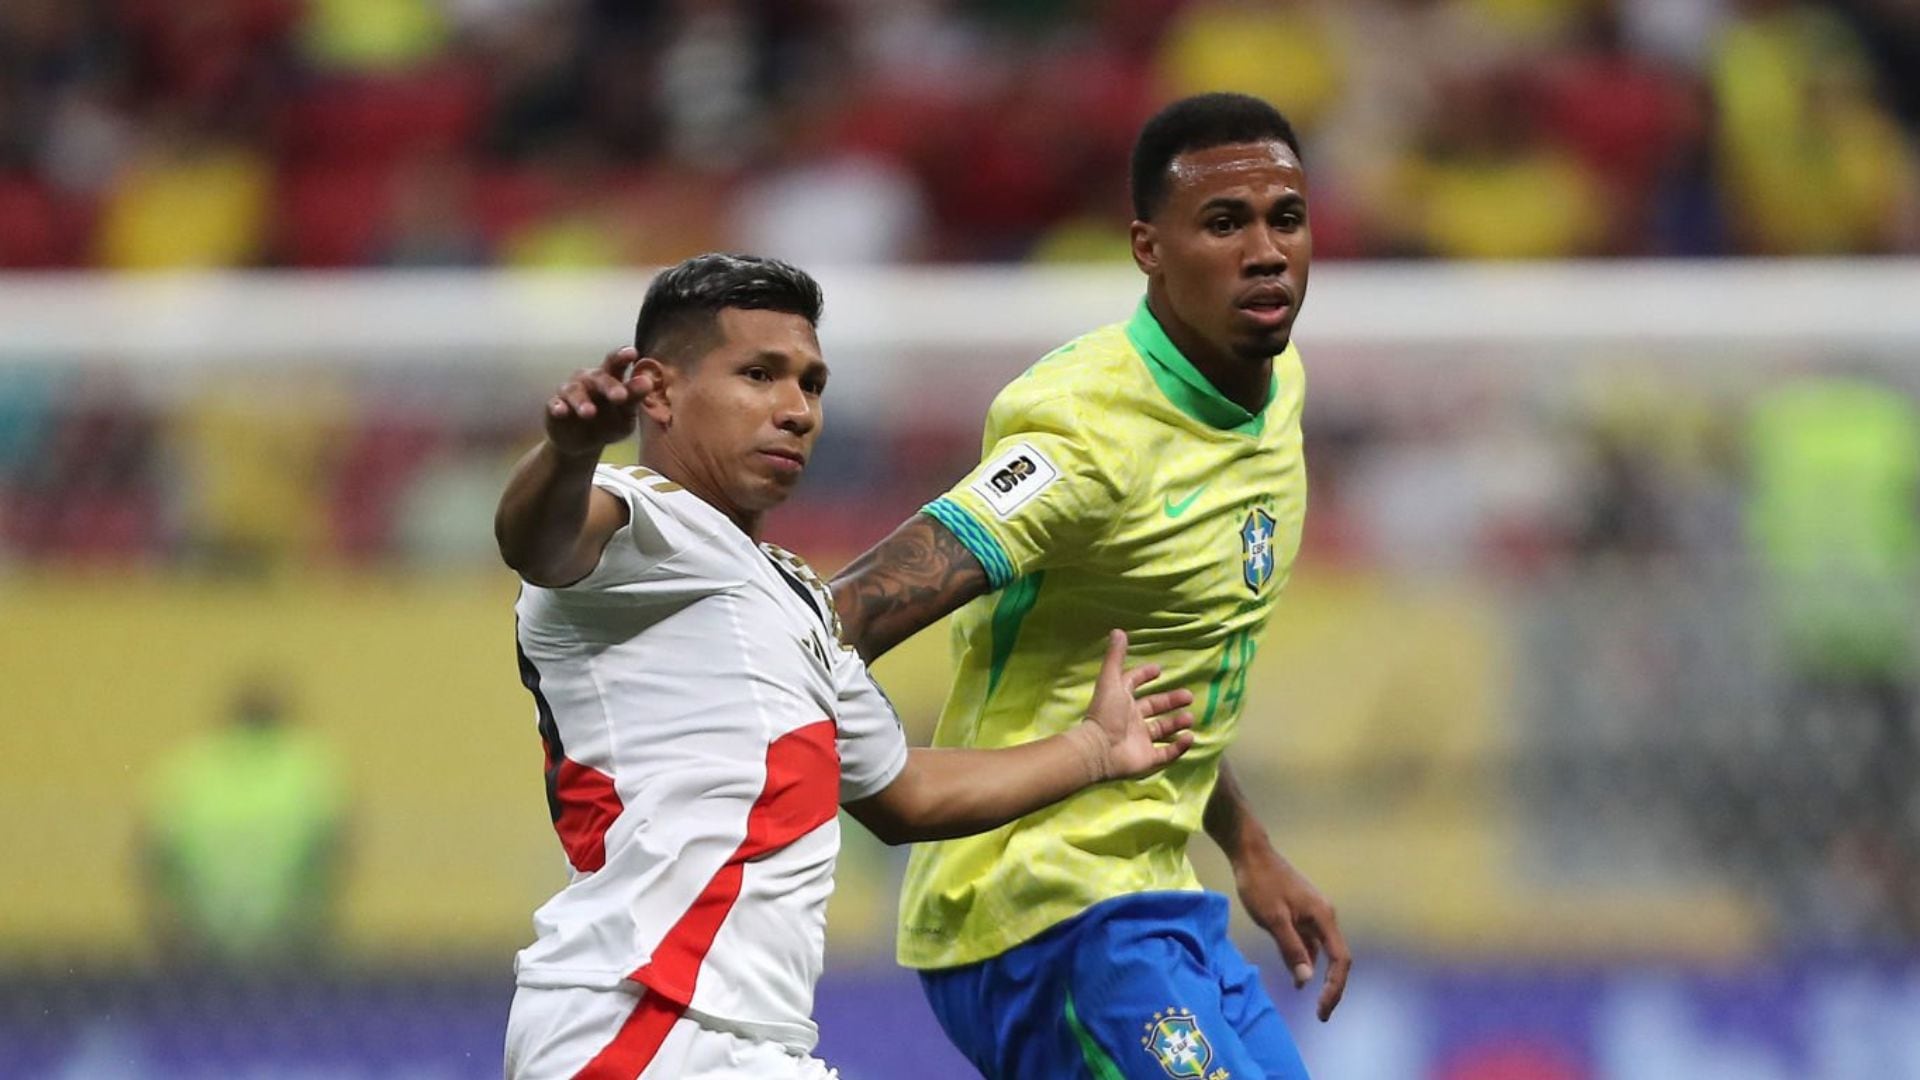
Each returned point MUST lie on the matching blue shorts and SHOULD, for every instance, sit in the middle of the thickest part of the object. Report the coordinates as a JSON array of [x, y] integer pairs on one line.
[[1140, 987]]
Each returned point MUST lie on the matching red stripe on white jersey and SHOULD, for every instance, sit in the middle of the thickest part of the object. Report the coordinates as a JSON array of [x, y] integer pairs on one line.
[[638, 1040], [587, 804], [802, 793]]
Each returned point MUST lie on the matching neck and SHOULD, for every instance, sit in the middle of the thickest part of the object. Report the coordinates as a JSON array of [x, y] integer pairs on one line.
[[658, 454], [748, 523], [1240, 380]]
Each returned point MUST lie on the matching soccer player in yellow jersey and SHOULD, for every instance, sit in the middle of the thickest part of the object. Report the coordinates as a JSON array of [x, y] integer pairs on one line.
[[1146, 475]]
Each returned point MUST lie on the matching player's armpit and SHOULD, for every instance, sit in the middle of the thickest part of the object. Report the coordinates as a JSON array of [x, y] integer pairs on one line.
[[904, 584], [1228, 818]]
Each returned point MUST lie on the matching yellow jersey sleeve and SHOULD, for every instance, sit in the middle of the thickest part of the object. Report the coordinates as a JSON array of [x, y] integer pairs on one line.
[[1047, 488]]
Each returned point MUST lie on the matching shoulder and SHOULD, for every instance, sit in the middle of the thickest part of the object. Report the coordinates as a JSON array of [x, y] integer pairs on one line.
[[664, 504], [1083, 364], [635, 480], [1074, 392], [671, 541]]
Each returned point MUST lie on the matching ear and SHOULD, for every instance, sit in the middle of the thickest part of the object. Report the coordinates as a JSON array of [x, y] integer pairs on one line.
[[1145, 244], [653, 382]]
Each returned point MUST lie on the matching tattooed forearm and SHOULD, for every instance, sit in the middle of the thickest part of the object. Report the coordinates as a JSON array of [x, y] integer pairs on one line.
[[904, 584]]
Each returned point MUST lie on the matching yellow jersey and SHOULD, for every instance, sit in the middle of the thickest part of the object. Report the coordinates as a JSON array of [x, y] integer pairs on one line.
[[1118, 488]]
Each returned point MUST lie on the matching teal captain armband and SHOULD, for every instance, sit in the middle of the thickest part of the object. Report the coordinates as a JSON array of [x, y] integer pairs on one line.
[[975, 537]]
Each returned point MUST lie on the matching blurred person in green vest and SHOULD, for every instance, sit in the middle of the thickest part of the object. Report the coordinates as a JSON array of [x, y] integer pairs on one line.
[[243, 845], [1834, 521]]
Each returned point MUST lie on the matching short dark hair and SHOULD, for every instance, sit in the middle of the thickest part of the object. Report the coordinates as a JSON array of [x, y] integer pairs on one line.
[[1197, 123], [683, 304]]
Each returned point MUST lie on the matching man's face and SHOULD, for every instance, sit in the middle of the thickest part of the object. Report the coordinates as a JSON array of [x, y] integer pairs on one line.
[[1231, 245], [744, 416]]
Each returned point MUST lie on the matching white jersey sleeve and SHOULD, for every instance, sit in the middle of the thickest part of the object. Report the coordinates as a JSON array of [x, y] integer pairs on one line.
[[656, 555], [872, 745]]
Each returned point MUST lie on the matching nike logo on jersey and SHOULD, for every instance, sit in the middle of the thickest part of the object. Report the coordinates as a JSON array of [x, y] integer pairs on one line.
[[1175, 509]]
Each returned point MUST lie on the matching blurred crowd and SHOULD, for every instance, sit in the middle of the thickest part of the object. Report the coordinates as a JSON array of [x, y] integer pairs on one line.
[[254, 473], [151, 134]]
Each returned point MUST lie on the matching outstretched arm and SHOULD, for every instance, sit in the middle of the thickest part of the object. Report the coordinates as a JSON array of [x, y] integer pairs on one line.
[[953, 792], [904, 584], [552, 523], [1278, 897]]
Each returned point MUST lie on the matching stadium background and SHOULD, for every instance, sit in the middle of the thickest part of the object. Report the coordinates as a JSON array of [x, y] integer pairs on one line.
[[1590, 703]]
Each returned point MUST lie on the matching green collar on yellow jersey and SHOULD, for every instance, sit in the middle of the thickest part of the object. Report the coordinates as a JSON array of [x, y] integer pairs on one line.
[[1192, 392]]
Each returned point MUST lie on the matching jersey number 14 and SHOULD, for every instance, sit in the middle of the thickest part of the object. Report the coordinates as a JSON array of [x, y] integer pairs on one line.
[[1229, 683]]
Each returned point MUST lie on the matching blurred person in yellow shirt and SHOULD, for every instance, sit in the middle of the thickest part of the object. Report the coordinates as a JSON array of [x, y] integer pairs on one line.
[[1285, 52], [1488, 187], [1810, 162], [186, 201], [372, 35], [256, 473]]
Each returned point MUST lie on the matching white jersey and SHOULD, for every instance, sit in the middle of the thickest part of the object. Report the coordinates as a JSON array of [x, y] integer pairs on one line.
[[702, 723]]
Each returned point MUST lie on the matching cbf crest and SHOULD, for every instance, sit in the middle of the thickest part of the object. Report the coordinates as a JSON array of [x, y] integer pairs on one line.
[[1256, 549], [1175, 1040]]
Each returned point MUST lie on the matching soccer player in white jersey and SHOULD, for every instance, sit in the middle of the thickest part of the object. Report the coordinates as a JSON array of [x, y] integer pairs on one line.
[[702, 720]]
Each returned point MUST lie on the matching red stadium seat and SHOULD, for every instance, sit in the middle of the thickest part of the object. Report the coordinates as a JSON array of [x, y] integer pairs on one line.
[[384, 117], [39, 230], [382, 459], [332, 216], [506, 200]]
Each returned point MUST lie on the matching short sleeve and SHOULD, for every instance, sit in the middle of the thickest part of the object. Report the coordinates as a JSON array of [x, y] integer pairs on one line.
[[873, 748], [1045, 490], [655, 554]]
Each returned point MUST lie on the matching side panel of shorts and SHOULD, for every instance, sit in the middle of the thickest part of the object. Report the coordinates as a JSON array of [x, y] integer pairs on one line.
[[579, 1034], [1142, 987]]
